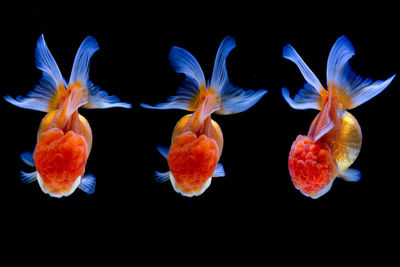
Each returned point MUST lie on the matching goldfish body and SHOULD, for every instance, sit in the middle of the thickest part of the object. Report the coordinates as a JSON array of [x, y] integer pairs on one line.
[[334, 139], [64, 138], [197, 140]]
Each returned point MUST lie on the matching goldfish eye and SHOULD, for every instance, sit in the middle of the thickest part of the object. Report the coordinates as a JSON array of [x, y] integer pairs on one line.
[[311, 166], [60, 160]]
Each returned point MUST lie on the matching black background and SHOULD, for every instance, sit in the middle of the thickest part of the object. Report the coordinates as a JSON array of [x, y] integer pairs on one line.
[[256, 201]]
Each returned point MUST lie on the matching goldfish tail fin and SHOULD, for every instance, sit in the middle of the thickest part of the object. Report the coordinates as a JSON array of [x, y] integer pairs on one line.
[[231, 99], [88, 184], [44, 96], [351, 89], [96, 98], [161, 177], [310, 96], [187, 95]]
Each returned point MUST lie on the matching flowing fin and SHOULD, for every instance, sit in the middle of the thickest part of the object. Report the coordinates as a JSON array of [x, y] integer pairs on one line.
[[44, 95], [231, 99], [88, 184], [27, 178], [27, 158], [161, 177], [187, 95], [351, 89], [164, 150], [290, 53], [219, 171], [307, 98], [351, 175]]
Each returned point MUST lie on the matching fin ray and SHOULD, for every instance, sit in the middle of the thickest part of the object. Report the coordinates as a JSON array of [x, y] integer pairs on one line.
[[88, 184], [161, 177], [27, 178], [43, 96]]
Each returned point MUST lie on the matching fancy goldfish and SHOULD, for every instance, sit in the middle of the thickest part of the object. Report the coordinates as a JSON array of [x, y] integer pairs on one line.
[[64, 138], [197, 140], [334, 139]]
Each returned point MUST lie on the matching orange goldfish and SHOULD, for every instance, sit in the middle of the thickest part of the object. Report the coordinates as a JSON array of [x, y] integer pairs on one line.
[[197, 140], [64, 138], [334, 139]]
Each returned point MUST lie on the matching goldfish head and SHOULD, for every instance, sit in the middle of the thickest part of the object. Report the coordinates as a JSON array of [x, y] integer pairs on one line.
[[192, 161], [311, 166], [60, 161]]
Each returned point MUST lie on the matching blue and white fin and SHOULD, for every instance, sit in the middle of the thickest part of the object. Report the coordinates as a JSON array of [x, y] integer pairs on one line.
[[219, 171], [350, 175], [42, 97], [290, 53], [88, 184], [27, 178], [310, 96], [186, 96], [232, 99], [27, 158], [96, 98], [354, 90], [164, 150], [161, 177]]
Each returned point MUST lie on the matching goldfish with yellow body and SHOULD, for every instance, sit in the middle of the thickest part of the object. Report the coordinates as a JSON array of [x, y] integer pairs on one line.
[[334, 138], [64, 138]]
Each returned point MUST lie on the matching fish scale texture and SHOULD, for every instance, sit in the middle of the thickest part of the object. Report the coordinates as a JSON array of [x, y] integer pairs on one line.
[[310, 165], [192, 160], [60, 159]]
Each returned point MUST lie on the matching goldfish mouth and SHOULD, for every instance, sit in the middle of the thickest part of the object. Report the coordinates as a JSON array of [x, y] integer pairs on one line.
[[58, 195], [191, 194]]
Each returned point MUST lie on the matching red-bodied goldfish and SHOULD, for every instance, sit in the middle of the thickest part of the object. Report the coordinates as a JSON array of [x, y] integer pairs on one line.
[[64, 138], [334, 139], [197, 140]]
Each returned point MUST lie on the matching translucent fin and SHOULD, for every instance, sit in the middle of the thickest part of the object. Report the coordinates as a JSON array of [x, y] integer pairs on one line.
[[219, 171], [88, 184], [27, 178], [351, 175], [219, 78], [236, 100], [161, 177], [340, 53], [231, 99], [352, 90], [307, 98], [27, 158], [98, 99], [290, 53], [186, 96], [164, 150], [44, 95], [80, 68]]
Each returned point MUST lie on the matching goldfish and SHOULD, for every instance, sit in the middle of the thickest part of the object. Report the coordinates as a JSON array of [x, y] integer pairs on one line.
[[334, 139], [64, 138], [197, 140]]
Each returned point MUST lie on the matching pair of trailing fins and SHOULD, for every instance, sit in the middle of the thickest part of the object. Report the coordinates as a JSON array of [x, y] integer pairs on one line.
[[65, 138]]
